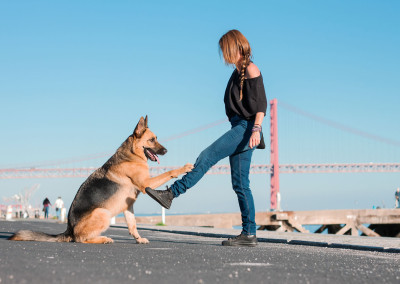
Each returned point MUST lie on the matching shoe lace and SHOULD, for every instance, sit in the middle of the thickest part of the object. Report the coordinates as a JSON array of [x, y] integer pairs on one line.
[[235, 238]]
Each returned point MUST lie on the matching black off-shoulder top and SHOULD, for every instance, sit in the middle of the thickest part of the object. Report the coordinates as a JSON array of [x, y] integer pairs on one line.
[[254, 99]]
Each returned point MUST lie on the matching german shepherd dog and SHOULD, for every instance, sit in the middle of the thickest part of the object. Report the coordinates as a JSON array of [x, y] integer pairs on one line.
[[110, 190]]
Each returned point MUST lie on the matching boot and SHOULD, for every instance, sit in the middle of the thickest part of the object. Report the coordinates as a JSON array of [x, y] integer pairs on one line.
[[163, 197], [241, 240]]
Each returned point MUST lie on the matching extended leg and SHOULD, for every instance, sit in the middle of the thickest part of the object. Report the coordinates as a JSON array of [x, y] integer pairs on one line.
[[159, 180], [229, 143], [131, 222], [234, 141]]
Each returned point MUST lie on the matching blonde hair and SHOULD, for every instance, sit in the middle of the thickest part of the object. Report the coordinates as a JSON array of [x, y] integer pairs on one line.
[[231, 44]]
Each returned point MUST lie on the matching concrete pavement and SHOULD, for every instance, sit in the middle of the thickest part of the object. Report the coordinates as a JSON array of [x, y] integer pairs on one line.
[[191, 255], [379, 244]]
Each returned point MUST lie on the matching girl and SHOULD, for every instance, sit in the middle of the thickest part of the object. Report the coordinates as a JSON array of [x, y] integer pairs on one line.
[[245, 106]]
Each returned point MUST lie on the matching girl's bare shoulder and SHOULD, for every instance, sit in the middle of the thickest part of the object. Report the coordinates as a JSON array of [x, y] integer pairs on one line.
[[252, 71]]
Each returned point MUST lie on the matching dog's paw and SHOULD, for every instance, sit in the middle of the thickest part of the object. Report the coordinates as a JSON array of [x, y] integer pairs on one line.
[[188, 168], [142, 241], [107, 240]]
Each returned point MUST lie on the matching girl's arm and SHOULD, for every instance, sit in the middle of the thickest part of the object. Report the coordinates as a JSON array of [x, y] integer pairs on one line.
[[253, 71], [256, 136]]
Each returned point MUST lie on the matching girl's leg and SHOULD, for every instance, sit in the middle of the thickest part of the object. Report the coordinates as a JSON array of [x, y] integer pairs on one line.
[[240, 170], [235, 139]]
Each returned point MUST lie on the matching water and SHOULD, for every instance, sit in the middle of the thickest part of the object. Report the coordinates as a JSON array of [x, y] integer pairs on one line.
[[311, 228]]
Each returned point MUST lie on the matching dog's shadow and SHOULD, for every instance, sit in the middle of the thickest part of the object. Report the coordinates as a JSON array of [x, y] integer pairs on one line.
[[5, 235]]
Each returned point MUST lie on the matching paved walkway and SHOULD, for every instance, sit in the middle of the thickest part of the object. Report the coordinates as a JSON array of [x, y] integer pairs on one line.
[[192, 255], [380, 244]]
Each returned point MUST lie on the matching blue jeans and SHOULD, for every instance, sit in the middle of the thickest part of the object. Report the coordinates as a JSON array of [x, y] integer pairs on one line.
[[46, 212], [235, 144]]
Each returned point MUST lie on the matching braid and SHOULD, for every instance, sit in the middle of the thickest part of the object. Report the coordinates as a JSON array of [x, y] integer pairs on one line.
[[246, 61]]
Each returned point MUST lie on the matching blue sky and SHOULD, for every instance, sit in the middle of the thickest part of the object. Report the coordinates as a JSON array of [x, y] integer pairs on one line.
[[76, 76]]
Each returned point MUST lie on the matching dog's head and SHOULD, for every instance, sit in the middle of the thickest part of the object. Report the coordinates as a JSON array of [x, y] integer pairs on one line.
[[146, 141]]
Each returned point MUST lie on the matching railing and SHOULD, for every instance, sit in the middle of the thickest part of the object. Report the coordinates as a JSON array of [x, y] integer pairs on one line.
[[219, 169]]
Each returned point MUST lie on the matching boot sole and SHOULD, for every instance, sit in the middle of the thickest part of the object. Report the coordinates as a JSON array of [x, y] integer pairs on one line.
[[161, 202], [240, 244]]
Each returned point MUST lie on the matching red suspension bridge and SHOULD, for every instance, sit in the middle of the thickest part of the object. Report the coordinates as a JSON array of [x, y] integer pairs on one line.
[[47, 170], [216, 170]]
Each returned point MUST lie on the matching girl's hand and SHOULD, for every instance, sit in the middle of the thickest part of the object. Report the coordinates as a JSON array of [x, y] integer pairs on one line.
[[254, 139]]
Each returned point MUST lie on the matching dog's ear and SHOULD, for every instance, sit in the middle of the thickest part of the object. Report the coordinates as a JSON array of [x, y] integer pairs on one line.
[[140, 128], [145, 122]]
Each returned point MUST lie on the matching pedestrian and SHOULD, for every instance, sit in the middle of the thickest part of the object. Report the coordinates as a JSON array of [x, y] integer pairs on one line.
[[46, 207], [245, 106], [59, 204], [397, 198]]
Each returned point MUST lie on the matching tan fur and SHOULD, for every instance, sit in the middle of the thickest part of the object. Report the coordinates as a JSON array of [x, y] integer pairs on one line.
[[131, 222], [92, 226]]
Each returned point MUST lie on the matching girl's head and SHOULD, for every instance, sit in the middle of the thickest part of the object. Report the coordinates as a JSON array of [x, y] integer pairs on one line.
[[234, 47], [236, 50]]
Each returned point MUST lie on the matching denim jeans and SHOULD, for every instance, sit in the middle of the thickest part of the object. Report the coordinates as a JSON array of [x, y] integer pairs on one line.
[[235, 144], [46, 212]]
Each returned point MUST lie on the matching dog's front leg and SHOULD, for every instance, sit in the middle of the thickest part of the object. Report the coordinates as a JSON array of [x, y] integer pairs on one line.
[[157, 181], [131, 222]]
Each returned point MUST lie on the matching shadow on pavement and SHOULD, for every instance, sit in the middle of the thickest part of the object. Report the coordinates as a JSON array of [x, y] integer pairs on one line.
[[5, 235], [187, 242]]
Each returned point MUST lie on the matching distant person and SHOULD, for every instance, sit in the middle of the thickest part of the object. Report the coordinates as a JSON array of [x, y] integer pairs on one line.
[[46, 207], [397, 198], [245, 105], [59, 204]]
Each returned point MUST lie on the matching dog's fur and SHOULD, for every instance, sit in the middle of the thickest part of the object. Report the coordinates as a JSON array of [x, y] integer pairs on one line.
[[110, 190]]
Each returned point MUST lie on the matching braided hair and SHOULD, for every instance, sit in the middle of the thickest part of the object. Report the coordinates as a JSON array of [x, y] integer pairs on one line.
[[245, 63]]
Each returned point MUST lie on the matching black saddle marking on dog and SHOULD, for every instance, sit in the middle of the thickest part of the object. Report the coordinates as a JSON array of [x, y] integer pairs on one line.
[[93, 195]]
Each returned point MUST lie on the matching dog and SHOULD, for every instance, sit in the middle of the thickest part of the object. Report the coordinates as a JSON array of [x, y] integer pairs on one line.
[[112, 189]]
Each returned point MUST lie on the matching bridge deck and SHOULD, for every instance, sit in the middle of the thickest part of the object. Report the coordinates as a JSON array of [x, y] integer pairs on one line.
[[219, 169]]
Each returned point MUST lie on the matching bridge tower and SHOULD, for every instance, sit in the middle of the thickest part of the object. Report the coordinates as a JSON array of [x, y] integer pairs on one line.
[[274, 156]]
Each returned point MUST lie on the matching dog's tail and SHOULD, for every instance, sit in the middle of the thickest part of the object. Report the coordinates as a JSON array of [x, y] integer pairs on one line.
[[26, 235]]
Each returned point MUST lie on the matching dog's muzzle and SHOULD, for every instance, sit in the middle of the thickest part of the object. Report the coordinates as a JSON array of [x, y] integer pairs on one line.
[[151, 155]]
